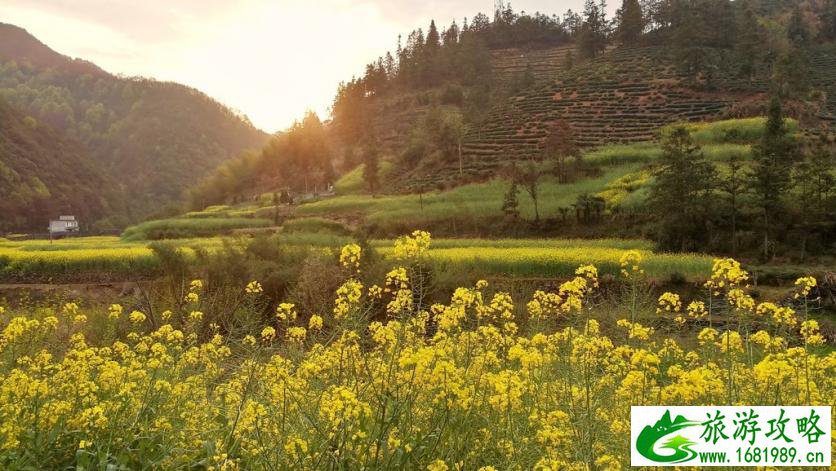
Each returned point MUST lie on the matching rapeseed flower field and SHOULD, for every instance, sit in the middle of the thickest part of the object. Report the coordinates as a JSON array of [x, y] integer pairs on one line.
[[91, 257], [384, 380]]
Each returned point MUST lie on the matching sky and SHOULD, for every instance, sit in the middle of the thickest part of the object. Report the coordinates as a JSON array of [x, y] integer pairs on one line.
[[271, 60]]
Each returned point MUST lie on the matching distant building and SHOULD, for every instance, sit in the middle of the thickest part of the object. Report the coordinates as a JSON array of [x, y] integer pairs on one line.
[[63, 225]]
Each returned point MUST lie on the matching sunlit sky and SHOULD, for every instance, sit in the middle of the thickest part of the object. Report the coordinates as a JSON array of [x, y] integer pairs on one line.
[[271, 60]]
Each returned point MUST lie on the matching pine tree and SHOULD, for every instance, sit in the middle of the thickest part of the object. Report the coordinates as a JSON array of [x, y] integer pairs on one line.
[[630, 22], [769, 179], [592, 38], [572, 23], [433, 39], [371, 167], [688, 38], [733, 186], [815, 181], [828, 30], [681, 194], [797, 31], [749, 43], [389, 66], [791, 73], [451, 35]]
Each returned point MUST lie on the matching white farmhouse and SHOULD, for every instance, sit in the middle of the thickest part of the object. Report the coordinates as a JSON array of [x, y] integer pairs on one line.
[[63, 225]]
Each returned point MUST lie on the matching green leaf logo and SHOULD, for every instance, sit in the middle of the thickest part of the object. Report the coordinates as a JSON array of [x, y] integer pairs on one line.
[[680, 445]]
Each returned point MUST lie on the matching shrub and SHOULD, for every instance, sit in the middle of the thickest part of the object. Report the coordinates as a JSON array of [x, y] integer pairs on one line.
[[314, 225], [176, 228]]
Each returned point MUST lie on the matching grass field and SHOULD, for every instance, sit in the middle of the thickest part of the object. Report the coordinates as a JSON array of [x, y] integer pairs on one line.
[[744, 130], [185, 227], [352, 182], [623, 183], [467, 202], [313, 225], [473, 204]]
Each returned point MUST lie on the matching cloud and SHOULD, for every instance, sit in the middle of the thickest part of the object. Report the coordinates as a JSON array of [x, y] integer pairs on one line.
[[145, 20]]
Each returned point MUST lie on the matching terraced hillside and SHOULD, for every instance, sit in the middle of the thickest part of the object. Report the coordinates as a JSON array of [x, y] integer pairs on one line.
[[623, 96], [512, 63], [824, 64]]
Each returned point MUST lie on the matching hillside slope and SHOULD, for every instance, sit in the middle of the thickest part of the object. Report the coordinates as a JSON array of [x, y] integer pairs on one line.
[[623, 96], [41, 173], [154, 138]]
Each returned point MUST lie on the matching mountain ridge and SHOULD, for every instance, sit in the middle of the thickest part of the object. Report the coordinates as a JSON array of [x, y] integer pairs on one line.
[[152, 138]]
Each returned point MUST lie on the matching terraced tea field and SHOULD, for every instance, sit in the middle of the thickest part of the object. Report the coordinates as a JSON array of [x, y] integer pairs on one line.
[[510, 64], [623, 96]]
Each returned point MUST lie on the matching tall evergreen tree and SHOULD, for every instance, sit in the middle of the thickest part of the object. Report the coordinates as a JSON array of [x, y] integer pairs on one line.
[[791, 73], [681, 195], [815, 184], [769, 179], [371, 167], [572, 23], [451, 35], [433, 39], [748, 46], [732, 187], [592, 38], [797, 31], [630, 21], [828, 30]]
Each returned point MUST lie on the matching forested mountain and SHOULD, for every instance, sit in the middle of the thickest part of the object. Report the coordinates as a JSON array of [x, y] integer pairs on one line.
[[459, 103], [43, 174], [153, 139], [444, 119]]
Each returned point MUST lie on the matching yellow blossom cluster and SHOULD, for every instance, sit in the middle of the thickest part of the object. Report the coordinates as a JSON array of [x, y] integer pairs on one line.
[[350, 257], [476, 382], [805, 285], [631, 264], [413, 246], [726, 273], [348, 296], [253, 287]]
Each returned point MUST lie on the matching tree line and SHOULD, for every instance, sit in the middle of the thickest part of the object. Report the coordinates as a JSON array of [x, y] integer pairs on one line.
[[784, 197], [709, 40], [297, 161]]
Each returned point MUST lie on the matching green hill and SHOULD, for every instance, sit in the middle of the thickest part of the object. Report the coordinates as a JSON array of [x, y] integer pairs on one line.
[[153, 138], [42, 174], [625, 95]]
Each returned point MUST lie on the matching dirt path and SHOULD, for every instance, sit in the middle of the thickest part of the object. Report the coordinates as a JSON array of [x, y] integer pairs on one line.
[[73, 286], [92, 292]]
